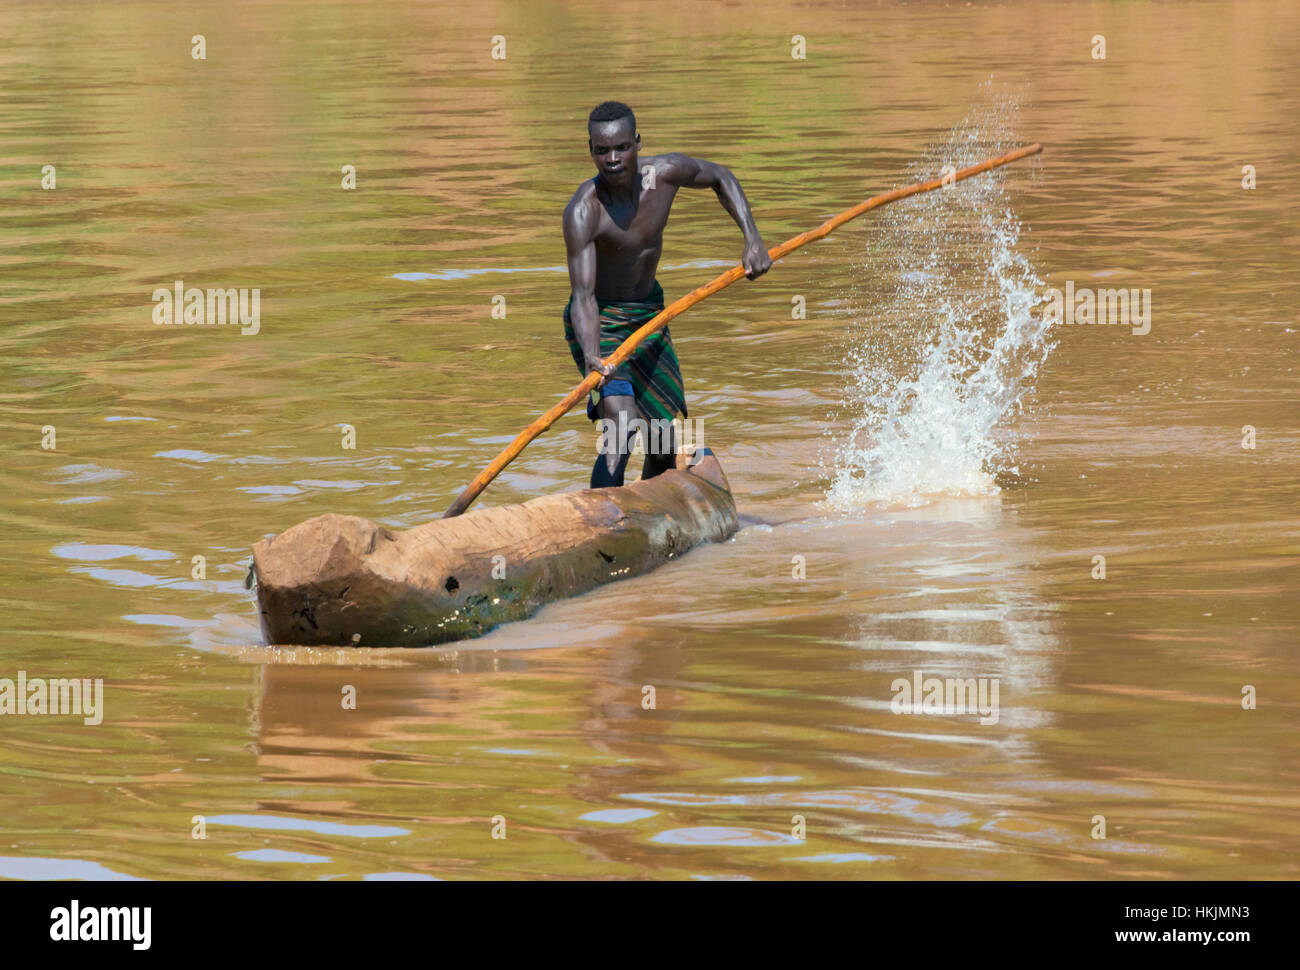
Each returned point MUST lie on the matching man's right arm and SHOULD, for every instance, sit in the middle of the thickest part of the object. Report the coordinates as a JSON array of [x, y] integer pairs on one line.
[[579, 241]]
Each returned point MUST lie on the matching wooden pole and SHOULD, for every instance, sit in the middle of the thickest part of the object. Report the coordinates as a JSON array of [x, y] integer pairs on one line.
[[590, 382]]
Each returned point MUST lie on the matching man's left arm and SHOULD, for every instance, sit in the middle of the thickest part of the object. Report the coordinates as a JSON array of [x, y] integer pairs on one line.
[[696, 173]]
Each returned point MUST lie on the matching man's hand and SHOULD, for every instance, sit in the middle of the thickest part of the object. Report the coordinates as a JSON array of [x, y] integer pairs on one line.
[[755, 259], [597, 364]]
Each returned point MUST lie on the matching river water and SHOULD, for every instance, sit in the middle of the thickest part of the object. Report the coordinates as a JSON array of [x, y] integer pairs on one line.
[[927, 468]]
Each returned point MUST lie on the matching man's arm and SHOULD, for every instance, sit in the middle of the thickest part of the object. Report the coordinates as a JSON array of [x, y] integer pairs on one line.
[[696, 173], [580, 222]]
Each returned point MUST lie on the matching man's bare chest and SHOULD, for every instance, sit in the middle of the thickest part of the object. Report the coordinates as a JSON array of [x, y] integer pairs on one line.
[[632, 226]]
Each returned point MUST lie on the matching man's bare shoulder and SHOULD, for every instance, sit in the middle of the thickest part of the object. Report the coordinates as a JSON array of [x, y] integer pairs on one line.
[[583, 205], [676, 168], [584, 198]]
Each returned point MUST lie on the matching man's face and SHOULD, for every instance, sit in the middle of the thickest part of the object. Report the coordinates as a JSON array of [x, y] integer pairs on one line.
[[613, 148]]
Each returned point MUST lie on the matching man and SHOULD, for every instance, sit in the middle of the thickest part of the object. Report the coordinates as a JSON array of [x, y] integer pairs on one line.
[[613, 231]]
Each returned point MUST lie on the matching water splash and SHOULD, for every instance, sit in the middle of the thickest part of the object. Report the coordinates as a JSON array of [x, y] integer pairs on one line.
[[945, 341]]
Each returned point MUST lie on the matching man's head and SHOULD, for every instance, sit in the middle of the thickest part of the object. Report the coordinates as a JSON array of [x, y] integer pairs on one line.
[[613, 141]]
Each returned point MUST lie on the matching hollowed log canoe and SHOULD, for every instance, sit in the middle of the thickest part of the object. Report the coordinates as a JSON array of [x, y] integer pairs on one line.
[[339, 580]]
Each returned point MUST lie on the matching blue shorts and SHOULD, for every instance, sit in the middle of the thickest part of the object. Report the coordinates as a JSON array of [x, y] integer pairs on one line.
[[611, 389]]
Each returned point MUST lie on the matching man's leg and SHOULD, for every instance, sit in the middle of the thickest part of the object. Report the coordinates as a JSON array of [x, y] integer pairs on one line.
[[660, 450], [616, 445]]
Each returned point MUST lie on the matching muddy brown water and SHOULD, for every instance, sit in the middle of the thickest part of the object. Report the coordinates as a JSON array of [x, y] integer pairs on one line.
[[772, 657]]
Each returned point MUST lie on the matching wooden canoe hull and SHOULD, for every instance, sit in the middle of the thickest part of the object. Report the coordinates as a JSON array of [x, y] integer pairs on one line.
[[338, 580]]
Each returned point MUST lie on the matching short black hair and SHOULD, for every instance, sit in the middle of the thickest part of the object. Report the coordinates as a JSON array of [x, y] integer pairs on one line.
[[610, 111]]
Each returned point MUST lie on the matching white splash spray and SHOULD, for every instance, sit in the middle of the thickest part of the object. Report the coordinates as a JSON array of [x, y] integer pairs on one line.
[[945, 339]]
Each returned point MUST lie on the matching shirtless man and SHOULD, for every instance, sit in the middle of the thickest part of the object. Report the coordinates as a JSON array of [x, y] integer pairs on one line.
[[613, 232]]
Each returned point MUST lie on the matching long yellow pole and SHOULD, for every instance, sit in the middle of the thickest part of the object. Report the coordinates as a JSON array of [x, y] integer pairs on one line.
[[589, 383]]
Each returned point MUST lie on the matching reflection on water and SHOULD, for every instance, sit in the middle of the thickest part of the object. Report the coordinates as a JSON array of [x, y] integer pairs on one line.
[[771, 657], [306, 825], [14, 867]]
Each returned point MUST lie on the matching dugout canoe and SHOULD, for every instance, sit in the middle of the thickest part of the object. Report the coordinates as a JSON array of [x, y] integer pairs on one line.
[[339, 580]]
